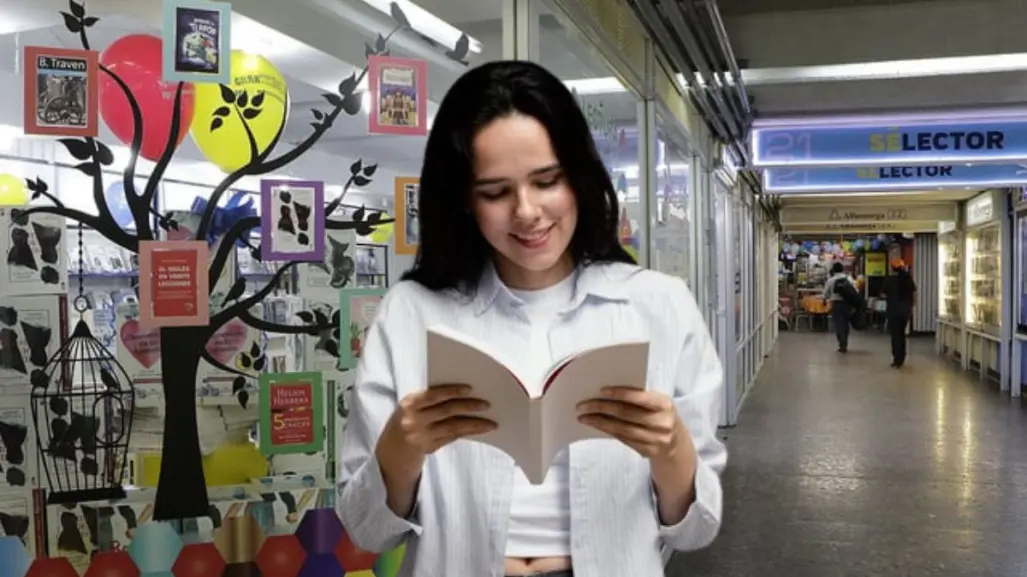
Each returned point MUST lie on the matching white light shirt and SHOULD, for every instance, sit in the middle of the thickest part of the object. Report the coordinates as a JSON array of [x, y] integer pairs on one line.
[[462, 515], [540, 515]]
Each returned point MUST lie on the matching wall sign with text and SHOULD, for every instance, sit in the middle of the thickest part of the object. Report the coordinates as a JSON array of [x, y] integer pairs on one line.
[[877, 178], [173, 284], [291, 413], [994, 142]]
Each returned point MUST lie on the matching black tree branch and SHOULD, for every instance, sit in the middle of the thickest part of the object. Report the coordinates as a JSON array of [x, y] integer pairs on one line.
[[237, 232], [142, 216], [221, 366], [267, 326], [169, 150], [227, 314], [118, 237]]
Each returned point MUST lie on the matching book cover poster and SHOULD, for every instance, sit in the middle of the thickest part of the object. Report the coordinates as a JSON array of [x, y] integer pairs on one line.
[[357, 309], [197, 38], [173, 284], [399, 95], [291, 413], [408, 227], [292, 223], [61, 92], [35, 258]]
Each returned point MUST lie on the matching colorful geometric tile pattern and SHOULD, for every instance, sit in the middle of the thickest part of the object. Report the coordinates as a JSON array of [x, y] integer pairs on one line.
[[319, 548]]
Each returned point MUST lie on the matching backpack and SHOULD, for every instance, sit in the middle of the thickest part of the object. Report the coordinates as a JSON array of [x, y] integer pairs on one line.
[[858, 315]]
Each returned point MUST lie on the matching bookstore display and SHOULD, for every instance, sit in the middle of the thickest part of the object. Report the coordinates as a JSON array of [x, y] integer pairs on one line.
[[174, 379], [984, 279], [950, 269]]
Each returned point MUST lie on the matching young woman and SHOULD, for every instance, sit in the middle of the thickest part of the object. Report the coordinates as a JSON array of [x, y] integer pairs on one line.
[[519, 248]]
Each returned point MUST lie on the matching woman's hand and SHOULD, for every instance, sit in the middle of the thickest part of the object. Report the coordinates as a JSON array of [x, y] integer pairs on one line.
[[423, 423], [646, 421]]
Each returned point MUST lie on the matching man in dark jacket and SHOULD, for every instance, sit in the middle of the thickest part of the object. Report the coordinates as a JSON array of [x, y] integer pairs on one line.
[[899, 291]]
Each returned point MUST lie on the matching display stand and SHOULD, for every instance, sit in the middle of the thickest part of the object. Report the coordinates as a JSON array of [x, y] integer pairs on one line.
[[950, 338], [987, 286]]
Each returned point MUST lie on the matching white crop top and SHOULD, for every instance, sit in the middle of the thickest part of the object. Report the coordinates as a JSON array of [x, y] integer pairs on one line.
[[540, 515]]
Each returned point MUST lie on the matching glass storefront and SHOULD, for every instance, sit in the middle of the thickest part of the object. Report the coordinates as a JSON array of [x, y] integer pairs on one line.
[[670, 206]]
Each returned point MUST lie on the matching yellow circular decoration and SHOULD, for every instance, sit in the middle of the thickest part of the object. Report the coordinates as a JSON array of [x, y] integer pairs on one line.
[[222, 138], [229, 464], [382, 234], [631, 250], [12, 191]]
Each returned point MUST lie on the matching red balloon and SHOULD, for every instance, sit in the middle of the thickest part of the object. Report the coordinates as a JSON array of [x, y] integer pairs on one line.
[[136, 59]]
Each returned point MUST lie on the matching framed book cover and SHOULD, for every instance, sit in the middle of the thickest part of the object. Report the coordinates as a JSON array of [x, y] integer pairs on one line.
[[197, 41], [292, 220], [399, 95], [407, 225], [357, 309], [61, 92], [291, 413], [173, 284]]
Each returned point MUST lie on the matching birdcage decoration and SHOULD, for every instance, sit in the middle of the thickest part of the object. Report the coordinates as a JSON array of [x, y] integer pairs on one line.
[[82, 406]]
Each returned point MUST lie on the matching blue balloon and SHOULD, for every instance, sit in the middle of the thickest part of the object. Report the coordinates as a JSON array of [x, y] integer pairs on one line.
[[118, 204]]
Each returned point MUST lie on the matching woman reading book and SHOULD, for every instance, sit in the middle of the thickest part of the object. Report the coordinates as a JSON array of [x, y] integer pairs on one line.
[[520, 250]]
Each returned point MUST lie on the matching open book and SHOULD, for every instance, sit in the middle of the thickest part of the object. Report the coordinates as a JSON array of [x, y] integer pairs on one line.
[[533, 430]]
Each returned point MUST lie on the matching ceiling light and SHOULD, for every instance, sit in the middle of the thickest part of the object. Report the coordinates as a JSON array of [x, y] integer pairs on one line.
[[426, 23], [587, 86]]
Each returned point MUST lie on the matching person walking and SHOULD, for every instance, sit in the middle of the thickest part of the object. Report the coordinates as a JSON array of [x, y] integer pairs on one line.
[[899, 292], [840, 311]]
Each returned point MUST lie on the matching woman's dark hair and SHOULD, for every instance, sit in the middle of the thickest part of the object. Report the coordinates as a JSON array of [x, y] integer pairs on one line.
[[452, 252], [837, 268]]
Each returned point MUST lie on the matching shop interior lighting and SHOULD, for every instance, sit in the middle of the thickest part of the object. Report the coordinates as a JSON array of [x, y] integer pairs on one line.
[[426, 23]]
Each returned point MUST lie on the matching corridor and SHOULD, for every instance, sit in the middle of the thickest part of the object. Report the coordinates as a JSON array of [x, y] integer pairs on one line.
[[842, 466]]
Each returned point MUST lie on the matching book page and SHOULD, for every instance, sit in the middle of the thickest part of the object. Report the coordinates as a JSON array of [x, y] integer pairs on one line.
[[581, 379], [456, 359]]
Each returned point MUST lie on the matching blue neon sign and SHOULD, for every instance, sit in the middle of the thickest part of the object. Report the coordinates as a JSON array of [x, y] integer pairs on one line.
[[993, 142], [875, 178]]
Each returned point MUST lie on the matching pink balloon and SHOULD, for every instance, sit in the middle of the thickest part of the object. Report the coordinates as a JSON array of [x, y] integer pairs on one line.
[[136, 59]]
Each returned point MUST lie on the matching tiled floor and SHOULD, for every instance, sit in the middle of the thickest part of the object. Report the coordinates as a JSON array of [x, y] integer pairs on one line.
[[842, 466]]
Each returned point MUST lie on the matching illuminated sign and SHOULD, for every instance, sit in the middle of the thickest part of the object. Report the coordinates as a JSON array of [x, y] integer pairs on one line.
[[995, 142], [841, 215], [876, 178]]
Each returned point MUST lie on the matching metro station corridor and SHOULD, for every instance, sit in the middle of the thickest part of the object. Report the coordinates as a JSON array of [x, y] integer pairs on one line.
[[842, 466]]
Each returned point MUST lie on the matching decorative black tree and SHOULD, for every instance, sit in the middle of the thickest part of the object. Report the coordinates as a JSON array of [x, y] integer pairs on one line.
[[181, 489]]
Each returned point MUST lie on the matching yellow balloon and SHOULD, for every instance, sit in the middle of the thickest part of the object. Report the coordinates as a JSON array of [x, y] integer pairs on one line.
[[382, 234], [631, 250], [222, 139], [12, 191]]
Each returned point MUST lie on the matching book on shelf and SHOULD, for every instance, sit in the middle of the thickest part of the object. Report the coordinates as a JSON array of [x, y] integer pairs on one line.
[[533, 429]]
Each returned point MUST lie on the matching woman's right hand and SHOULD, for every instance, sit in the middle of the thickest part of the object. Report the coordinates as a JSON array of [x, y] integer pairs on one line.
[[423, 423]]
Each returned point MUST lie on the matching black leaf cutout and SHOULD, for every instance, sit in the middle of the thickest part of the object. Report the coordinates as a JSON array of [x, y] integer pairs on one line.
[[36, 195], [332, 348], [336, 333], [361, 181], [244, 398], [31, 184], [87, 168], [244, 361], [358, 214], [104, 154], [306, 316], [222, 111], [351, 104], [41, 185], [356, 167], [258, 100], [363, 229], [108, 380], [320, 318], [333, 99], [348, 85], [315, 125], [373, 218], [238, 288], [380, 43], [215, 124], [397, 14], [243, 99], [227, 94], [71, 23], [368, 50], [258, 365], [370, 169], [77, 9], [89, 21], [255, 350], [335, 318], [238, 384], [79, 149], [251, 113], [317, 114]]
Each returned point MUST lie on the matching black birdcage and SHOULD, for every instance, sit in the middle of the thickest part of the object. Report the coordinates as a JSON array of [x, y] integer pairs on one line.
[[82, 408]]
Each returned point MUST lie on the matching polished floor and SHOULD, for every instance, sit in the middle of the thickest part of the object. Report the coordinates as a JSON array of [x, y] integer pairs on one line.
[[843, 467]]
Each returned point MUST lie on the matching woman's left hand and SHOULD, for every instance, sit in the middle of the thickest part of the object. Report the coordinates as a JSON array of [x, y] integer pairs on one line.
[[646, 421]]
